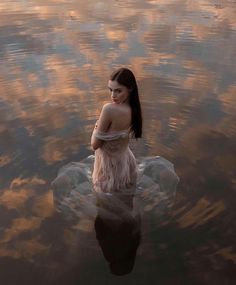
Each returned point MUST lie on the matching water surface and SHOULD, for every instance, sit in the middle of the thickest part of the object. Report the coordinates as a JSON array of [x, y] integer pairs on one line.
[[55, 59]]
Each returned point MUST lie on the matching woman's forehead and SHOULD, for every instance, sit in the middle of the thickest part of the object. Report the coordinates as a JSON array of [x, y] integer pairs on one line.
[[114, 84]]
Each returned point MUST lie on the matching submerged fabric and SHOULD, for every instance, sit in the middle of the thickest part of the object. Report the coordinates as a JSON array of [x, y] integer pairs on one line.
[[154, 191], [93, 185], [115, 166]]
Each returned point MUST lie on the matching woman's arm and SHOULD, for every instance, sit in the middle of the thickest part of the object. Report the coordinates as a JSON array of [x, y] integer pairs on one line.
[[102, 125]]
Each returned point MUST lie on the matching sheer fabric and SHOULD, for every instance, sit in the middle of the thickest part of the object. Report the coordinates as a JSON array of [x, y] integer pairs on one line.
[[115, 165], [153, 192]]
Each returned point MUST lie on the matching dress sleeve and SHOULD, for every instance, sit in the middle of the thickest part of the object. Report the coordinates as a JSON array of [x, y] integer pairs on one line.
[[110, 136]]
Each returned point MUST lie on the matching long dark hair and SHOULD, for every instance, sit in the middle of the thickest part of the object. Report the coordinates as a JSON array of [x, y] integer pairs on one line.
[[125, 77]]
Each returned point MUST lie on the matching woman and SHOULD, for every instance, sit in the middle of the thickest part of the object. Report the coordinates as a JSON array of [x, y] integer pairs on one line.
[[115, 164]]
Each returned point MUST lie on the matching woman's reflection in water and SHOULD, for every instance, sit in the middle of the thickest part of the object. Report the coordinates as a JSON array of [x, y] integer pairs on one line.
[[117, 229], [117, 214]]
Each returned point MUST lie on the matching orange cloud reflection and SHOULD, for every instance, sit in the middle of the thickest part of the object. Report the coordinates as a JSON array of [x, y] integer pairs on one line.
[[201, 213], [43, 205], [15, 199], [4, 160], [227, 253], [20, 225]]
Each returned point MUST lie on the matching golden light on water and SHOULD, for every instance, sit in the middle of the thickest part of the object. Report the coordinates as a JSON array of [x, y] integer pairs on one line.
[[56, 58]]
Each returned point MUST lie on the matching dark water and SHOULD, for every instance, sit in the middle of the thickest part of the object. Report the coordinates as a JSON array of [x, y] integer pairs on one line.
[[55, 59]]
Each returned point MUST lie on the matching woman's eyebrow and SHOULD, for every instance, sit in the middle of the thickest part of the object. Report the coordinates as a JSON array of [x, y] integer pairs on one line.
[[114, 89]]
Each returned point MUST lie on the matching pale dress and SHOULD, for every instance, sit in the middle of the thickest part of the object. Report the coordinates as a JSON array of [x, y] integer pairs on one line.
[[115, 166]]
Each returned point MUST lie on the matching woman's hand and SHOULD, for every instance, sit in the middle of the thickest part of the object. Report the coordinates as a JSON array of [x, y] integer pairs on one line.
[[95, 143]]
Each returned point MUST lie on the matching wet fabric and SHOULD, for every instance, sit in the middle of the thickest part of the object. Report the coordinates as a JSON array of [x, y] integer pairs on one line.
[[153, 191], [115, 166]]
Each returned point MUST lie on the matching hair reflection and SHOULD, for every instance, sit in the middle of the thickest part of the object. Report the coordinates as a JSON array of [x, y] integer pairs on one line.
[[118, 230]]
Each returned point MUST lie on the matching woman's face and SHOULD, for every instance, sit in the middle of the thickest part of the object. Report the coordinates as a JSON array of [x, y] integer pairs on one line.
[[119, 93]]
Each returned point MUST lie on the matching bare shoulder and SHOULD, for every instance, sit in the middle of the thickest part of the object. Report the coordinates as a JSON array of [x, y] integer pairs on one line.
[[120, 116], [107, 107], [110, 108], [116, 107]]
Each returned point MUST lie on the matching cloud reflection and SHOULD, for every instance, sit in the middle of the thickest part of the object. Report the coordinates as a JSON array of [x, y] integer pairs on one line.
[[201, 213], [56, 57]]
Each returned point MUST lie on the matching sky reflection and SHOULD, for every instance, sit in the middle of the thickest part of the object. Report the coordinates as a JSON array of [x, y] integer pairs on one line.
[[55, 58]]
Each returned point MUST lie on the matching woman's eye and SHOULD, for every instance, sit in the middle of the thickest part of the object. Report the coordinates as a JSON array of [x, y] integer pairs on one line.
[[115, 91]]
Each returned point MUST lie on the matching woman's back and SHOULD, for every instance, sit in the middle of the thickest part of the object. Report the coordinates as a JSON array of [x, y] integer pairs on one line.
[[120, 117]]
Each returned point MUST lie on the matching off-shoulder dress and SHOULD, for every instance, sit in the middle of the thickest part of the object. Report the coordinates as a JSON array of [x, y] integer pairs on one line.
[[115, 167]]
